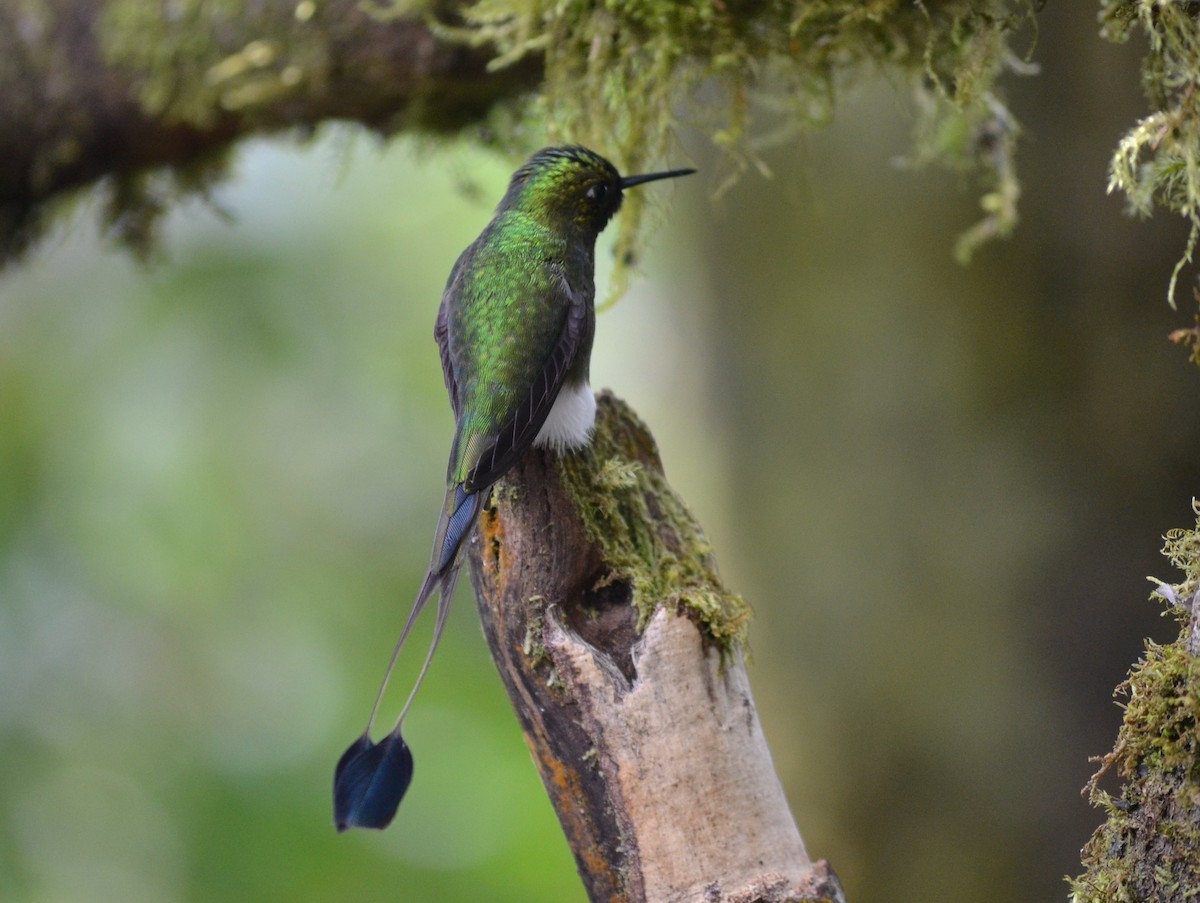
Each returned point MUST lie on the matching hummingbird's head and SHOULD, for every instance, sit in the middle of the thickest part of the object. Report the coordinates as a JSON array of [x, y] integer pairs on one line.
[[573, 185]]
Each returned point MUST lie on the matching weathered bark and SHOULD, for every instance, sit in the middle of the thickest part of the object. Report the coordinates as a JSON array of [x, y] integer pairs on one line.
[[96, 88], [646, 736]]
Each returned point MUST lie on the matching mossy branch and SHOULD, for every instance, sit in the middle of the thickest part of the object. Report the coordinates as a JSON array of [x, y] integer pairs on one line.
[[1149, 845], [621, 651], [148, 97]]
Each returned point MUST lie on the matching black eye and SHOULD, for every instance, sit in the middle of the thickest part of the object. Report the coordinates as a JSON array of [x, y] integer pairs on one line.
[[597, 192]]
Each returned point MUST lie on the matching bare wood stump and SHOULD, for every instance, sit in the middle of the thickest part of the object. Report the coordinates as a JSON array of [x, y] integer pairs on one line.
[[620, 650]]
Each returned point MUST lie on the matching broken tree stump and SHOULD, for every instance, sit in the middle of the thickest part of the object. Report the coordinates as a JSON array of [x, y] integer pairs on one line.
[[621, 651]]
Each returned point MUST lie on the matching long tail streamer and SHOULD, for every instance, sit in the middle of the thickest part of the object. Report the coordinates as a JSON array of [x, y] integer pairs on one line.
[[371, 779]]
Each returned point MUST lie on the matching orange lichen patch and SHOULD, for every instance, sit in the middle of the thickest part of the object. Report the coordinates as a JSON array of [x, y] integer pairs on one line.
[[491, 530]]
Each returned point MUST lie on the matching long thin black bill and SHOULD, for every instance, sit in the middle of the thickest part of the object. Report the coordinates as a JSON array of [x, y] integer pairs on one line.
[[630, 181]]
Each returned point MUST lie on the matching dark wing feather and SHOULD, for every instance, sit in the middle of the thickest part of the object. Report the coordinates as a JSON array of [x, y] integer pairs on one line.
[[441, 336]]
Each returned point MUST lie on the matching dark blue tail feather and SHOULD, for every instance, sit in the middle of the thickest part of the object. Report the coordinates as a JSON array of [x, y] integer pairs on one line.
[[369, 782], [458, 517], [371, 778]]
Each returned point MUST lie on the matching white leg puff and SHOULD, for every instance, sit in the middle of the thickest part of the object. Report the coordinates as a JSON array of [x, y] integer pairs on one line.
[[571, 420]]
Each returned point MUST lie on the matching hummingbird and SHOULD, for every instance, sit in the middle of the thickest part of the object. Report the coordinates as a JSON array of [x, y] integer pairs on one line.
[[515, 330]]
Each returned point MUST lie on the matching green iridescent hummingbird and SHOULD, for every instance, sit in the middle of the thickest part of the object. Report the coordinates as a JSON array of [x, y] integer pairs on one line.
[[515, 331]]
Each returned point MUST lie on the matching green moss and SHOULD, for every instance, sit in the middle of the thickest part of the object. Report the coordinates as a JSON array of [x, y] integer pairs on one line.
[[169, 53], [187, 72], [1182, 548], [1157, 162], [649, 537], [1149, 845], [620, 76]]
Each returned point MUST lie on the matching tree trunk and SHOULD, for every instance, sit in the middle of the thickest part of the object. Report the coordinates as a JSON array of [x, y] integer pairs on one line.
[[620, 650], [1148, 847]]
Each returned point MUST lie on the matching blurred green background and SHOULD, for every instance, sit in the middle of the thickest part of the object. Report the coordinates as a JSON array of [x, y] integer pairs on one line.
[[940, 488]]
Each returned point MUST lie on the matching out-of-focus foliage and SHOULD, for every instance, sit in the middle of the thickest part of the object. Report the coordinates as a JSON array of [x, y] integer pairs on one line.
[[219, 479]]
